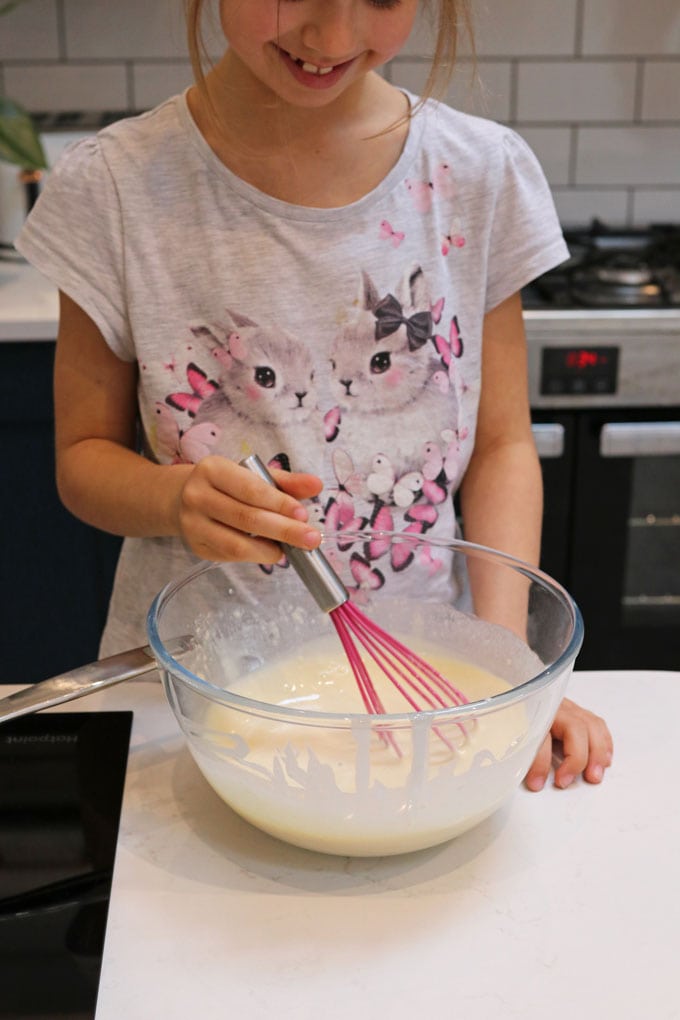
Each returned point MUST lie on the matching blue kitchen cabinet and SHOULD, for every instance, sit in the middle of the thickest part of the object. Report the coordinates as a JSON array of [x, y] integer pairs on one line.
[[57, 572]]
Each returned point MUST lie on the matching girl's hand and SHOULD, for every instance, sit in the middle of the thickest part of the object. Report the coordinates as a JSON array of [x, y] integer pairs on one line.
[[586, 748], [224, 512]]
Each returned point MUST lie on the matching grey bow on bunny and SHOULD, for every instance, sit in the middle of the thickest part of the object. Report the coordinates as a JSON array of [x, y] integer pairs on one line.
[[389, 317]]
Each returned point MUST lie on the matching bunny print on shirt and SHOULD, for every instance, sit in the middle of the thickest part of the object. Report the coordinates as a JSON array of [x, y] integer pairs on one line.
[[384, 410], [384, 368], [267, 397]]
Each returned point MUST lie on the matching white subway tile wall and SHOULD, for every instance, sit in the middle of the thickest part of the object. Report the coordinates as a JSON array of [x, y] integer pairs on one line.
[[124, 30], [60, 87], [593, 85]]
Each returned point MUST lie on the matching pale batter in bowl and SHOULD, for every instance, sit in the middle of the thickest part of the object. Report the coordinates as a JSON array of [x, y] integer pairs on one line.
[[322, 786]]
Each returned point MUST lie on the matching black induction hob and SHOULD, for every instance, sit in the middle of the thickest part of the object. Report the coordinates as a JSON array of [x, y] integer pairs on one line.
[[61, 788]]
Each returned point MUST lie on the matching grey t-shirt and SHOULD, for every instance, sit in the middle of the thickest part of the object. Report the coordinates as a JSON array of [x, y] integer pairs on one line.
[[343, 341]]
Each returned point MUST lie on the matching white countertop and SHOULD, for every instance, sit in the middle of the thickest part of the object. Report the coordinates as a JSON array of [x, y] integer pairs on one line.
[[564, 904], [29, 304]]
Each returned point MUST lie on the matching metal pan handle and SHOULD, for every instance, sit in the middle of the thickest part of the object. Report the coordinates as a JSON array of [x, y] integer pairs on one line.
[[77, 683]]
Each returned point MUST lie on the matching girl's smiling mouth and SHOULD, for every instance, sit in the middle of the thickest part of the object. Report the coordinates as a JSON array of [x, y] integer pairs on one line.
[[313, 75]]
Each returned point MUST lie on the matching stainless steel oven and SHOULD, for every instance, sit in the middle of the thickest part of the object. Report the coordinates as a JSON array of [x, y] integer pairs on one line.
[[604, 370]]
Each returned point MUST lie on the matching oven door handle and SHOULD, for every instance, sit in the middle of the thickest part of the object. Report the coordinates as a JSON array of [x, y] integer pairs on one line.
[[549, 440], [640, 439]]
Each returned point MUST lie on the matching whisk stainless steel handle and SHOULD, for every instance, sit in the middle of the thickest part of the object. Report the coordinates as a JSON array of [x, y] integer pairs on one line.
[[311, 565]]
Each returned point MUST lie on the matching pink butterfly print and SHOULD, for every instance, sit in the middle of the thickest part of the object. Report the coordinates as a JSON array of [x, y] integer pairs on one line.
[[224, 351], [426, 559], [236, 345], [433, 473], [198, 441], [421, 195], [381, 479], [281, 462], [380, 521], [347, 478], [444, 380], [331, 424], [186, 447], [452, 440], [201, 387], [387, 233], [367, 578], [222, 355], [436, 310], [235, 350], [455, 237], [433, 461], [451, 348], [403, 550], [341, 519], [422, 192], [433, 491], [381, 518], [338, 564], [407, 488], [422, 513], [442, 181], [167, 432]]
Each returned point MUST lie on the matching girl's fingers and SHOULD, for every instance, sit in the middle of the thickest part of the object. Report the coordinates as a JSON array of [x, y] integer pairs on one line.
[[537, 775], [298, 484], [222, 544], [228, 513], [575, 749], [601, 751], [246, 488], [586, 748], [251, 521], [250, 491], [232, 533], [586, 743]]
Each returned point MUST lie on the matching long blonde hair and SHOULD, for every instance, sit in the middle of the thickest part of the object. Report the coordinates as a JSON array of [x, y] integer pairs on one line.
[[451, 21]]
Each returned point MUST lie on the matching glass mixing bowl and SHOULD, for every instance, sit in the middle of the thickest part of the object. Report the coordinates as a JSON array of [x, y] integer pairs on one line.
[[274, 722]]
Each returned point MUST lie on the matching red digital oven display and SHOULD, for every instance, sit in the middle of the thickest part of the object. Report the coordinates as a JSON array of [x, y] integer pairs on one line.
[[579, 370]]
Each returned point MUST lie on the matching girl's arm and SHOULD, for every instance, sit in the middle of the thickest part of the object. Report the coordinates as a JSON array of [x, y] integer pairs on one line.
[[501, 495], [501, 504], [215, 506]]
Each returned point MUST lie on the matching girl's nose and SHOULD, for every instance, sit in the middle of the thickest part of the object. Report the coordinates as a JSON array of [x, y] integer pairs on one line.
[[331, 29]]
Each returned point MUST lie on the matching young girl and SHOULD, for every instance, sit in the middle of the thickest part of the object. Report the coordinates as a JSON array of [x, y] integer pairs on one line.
[[299, 259]]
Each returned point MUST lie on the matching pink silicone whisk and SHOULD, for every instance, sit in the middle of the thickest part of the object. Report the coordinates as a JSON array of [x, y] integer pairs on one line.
[[420, 684]]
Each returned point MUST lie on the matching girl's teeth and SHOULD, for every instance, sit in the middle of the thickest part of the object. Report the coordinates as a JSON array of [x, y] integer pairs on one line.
[[313, 69]]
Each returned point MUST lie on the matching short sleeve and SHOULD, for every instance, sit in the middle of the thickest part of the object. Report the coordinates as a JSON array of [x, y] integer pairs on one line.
[[74, 237], [526, 238]]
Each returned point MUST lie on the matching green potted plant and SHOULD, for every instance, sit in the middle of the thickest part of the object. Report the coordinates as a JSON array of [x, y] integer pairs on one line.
[[19, 139]]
